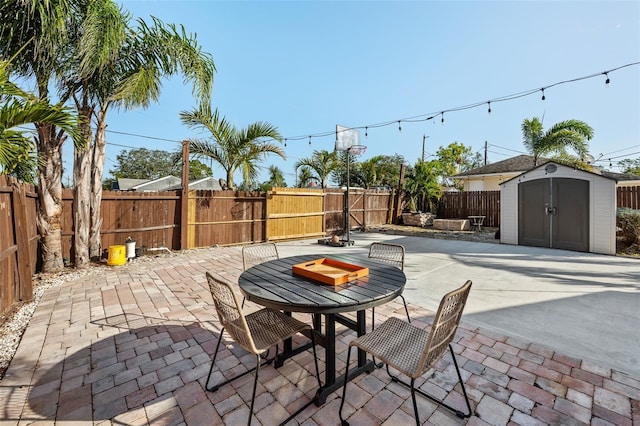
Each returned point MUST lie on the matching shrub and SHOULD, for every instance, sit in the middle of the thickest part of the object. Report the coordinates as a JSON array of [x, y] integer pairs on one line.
[[628, 221]]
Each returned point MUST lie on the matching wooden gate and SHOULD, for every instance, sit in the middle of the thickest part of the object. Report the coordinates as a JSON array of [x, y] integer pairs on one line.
[[294, 213]]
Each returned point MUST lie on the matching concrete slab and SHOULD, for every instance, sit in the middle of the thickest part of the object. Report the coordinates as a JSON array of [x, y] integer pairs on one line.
[[582, 304]]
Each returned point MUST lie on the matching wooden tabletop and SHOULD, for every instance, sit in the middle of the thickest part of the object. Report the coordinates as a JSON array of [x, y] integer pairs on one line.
[[272, 284]]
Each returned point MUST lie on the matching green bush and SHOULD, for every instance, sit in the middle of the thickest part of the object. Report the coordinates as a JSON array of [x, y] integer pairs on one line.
[[628, 221]]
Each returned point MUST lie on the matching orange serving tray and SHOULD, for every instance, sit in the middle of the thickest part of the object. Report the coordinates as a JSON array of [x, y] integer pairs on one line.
[[330, 271]]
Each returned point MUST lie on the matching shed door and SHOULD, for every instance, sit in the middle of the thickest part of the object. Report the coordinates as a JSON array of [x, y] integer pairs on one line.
[[554, 213]]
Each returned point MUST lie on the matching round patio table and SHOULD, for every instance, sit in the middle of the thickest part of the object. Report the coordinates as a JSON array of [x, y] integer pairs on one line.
[[274, 285]]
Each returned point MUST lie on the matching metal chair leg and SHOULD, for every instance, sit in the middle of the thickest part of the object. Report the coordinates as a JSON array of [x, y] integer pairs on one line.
[[343, 422], [255, 386], [415, 403], [405, 308], [437, 401], [464, 390], [213, 362], [315, 358]]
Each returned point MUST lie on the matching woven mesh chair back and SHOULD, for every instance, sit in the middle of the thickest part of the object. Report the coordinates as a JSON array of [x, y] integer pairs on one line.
[[388, 253], [255, 254], [444, 325], [229, 313]]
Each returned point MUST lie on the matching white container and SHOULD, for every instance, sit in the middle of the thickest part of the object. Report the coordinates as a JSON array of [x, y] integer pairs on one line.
[[131, 249]]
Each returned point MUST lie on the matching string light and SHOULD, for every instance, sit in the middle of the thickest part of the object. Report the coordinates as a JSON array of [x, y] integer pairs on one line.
[[309, 139], [399, 127], [366, 132], [489, 110], [433, 115]]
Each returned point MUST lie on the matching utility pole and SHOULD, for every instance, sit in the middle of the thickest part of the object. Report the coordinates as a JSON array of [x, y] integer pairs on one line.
[[424, 139], [485, 152]]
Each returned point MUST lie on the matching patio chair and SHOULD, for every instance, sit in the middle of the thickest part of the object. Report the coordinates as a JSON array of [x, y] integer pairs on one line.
[[255, 333], [257, 253], [392, 254], [413, 351]]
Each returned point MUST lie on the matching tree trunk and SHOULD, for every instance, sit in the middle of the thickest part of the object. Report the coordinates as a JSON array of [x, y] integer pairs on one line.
[[230, 179], [49, 212], [82, 192], [97, 169], [81, 204]]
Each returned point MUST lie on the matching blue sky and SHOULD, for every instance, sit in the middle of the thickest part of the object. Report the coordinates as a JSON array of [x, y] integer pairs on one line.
[[306, 66]]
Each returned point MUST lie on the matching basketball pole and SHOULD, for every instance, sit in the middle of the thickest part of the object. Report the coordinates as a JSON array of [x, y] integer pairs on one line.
[[347, 205]]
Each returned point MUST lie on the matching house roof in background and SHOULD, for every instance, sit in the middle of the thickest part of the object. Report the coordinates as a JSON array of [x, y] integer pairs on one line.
[[160, 184], [125, 184], [166, 183], [208, 183], [523, 163], [516, 164]]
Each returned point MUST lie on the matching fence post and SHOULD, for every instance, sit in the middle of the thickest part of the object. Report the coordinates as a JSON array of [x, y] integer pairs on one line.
[[398, 197], [184, 198]]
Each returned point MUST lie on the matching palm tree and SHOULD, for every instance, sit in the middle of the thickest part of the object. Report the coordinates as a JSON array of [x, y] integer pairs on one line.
[[422, 187], [276, 177], [322, 163], [572, 134], [119, 65], [305, 177], [230, 147], [19, 108], [42, 27], [96, 57]]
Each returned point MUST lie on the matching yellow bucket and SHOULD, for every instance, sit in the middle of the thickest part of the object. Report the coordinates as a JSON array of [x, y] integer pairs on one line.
[[117, 255]]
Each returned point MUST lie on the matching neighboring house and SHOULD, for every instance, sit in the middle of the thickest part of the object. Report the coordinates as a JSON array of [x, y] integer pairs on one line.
[[489, 177], [166, 183]]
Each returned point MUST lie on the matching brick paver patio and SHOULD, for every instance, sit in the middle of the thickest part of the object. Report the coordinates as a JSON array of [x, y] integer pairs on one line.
[[132, 345]]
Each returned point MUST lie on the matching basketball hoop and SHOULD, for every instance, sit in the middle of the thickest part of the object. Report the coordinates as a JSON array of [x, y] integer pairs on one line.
[[357, 149]]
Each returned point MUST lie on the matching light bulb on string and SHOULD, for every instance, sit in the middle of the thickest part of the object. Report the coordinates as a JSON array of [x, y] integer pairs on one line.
[[489, 110], [442, 118], [309, 140], [543, 96], [399, 127], [285, 141], [607, 81], [366, 132]]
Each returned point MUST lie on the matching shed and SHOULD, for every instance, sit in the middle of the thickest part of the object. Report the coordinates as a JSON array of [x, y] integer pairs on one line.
[[556, 206]]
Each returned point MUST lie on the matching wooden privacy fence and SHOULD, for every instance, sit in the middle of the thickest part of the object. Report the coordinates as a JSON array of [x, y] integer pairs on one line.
[[629, 196], [487, 203], [294, 213], [18, 242], [154, 220], [460, 205], [150, 218], [226, 217]]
